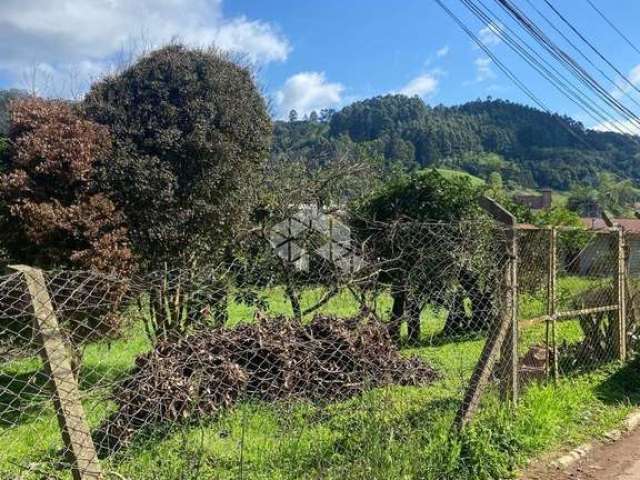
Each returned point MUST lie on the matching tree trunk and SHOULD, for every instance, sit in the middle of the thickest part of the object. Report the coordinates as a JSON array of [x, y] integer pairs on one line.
[[413, 321], [295, 302], [457, 320], [397, 312]]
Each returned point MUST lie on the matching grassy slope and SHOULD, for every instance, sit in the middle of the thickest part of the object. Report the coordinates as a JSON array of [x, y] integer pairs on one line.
[[559, 198], [397, 432], [447, 173]]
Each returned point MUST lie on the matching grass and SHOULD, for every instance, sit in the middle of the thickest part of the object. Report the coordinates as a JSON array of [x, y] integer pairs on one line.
[[448, 173], [394, 432]]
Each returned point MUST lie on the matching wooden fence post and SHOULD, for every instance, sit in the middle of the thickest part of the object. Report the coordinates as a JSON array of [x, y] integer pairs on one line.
[[66, 393], [503, 336], [620, 330], [621, 274], [552, 343], [509, 351]]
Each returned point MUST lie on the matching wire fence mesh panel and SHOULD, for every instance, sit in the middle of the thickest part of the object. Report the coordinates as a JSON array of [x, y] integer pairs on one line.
[[569, 306], [632, 328], [317, 351], [535, 303], [587, 302]]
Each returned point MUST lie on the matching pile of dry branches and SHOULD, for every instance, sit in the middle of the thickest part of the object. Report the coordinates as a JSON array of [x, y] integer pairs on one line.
[[326, 359]]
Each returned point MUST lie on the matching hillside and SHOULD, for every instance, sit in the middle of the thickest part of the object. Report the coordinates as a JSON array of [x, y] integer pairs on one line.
[[528, 147]]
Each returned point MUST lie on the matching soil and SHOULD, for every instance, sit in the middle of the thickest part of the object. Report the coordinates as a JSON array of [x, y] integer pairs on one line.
[[619, 460]]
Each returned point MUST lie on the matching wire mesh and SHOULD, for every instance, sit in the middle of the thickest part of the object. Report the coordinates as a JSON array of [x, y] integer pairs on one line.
[[534, 267], [587, 281], [569, 306], [325, 348]]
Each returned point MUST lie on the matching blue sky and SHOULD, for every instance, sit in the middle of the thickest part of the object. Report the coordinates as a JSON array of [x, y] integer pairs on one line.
[[308, 54]]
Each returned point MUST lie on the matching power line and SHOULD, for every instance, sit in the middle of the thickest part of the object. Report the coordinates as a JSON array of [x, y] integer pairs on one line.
[[591, 46], [514, 78], [539, 63], [581, 53], [569, 62], [545, 69], [496, 60], [612, 25]]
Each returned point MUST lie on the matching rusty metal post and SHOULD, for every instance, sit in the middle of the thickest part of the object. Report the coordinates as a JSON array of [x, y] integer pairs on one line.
[[66, 393]]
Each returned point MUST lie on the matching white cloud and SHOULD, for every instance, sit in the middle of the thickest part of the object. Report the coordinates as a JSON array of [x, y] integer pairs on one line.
[[422, 85], [489, 34], [64, 34], [483, 69], [307, 91], [442, 52], [623, 87]]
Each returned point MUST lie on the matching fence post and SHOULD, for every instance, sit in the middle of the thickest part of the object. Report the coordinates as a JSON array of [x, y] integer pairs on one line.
[[509, 351], [66, 393], [621, 326], [552, 352], [620, 330], [503, 337]]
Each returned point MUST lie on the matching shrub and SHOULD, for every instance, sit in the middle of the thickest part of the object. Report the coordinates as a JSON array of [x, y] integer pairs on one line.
[[418, 212], [58, 218], [191, 130], [55, 217]]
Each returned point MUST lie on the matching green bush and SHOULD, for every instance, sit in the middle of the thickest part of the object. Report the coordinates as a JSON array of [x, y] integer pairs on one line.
[[191, 131]]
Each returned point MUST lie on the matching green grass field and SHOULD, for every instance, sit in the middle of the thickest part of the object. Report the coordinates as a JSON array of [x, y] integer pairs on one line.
[[448, 173], [394, 432]]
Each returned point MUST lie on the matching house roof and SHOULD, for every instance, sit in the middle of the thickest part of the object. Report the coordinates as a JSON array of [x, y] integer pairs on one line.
[[630, 225]]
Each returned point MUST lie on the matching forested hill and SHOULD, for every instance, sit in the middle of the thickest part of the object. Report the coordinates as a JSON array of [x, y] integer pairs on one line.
[[528, 147]]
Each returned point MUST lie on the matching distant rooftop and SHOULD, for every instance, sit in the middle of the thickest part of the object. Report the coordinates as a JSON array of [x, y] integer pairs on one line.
[[535, 202], [631, 225]]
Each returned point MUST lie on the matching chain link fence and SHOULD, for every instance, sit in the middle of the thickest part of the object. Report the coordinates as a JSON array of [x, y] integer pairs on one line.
[[569, 314], [320, 351]]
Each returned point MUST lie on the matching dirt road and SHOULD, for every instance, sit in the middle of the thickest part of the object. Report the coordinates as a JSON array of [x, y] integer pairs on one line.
[[619, 460]]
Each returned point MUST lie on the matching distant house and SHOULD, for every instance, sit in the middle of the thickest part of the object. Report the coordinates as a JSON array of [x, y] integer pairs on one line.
[[535, 202], [598, 257]]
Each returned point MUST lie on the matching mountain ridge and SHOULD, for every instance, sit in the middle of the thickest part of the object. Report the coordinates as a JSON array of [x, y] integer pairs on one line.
[[526, 146]]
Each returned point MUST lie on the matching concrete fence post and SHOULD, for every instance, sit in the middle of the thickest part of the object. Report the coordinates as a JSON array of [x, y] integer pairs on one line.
[[66, 393]]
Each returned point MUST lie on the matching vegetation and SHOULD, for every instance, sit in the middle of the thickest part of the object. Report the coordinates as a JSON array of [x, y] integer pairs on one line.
[[609, 193], [528, 147], [168, 166], [6, 97], [410, 273], [395, 432], [190, 131], [54, 213]]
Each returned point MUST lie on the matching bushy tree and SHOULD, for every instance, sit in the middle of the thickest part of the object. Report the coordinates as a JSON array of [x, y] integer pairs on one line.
[[609, 193], [427, 231], [191, 132], [54, 212]]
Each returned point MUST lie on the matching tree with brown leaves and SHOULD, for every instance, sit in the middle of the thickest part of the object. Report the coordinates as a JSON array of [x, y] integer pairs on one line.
[[54, 214]]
